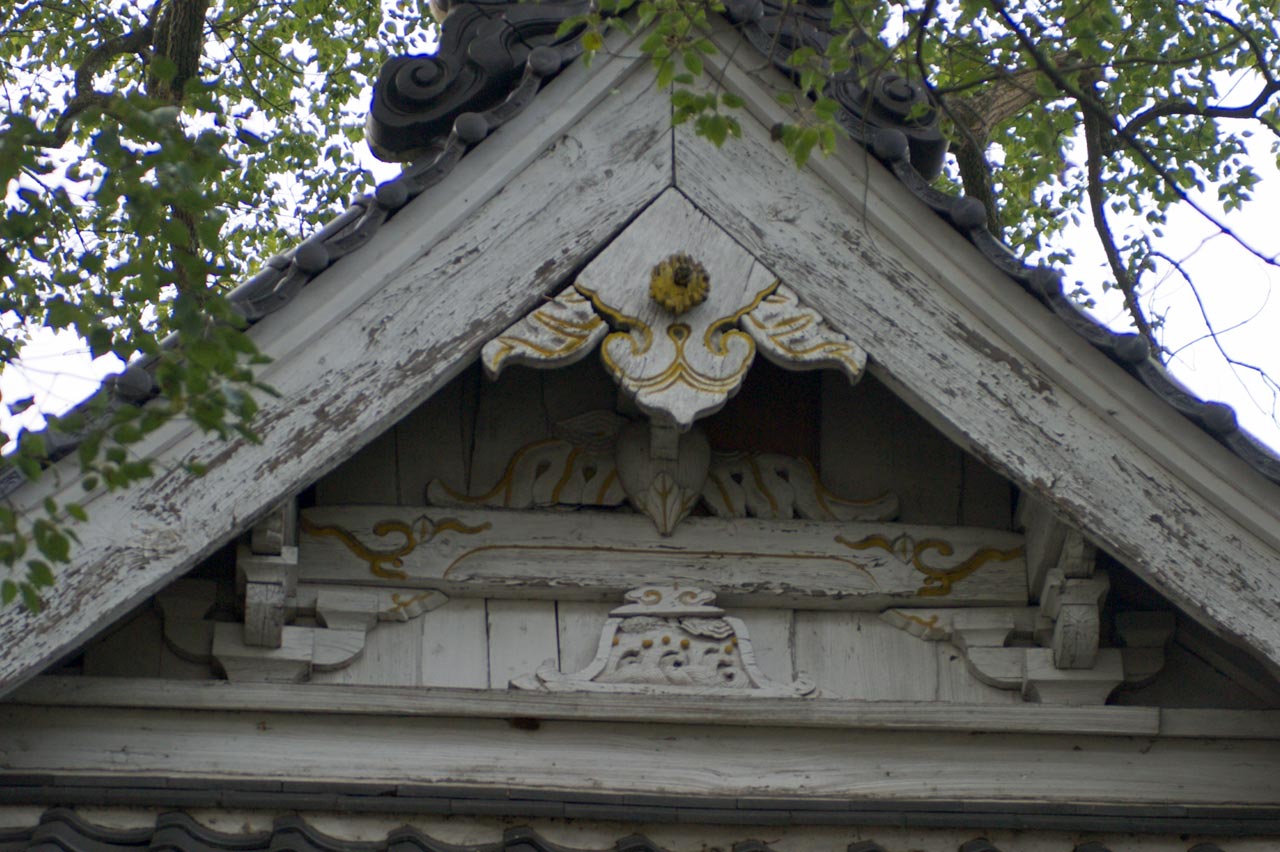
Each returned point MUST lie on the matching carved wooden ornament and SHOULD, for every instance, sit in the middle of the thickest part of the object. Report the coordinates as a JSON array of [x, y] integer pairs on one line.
[[679, 360], [664, 640], [557, 334], [599, 555], [688, 307], [600, 459]]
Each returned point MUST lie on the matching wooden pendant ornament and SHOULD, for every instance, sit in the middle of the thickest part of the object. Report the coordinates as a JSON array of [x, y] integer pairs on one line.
[[681, 345], [676, 365]]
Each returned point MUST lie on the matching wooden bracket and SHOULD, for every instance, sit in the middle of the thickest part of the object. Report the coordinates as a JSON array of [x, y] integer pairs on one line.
[[996, 643], [1071, 605], [269, 583], [343, 615]]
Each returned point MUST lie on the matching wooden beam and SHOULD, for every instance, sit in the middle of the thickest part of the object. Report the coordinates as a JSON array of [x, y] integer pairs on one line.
[[369, 340], [630, 757], [977, 356], [599, 556], [752, 712]]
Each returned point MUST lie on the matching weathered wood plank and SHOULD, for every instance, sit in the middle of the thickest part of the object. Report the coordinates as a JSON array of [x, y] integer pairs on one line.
[[642, 758], [173, 667], [369, 476], [872, 443], [577, 389], [509, 414], [522, 636], [434, 441], [957, 684], [392, 656], [598, 556], [772, 633], [579, 624], [455, 645], [986, 497], [856, 655], [984, 362], [692, 710], [132, 649], [370, 340]]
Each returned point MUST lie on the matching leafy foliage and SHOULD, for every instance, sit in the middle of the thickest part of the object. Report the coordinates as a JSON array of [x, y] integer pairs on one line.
[[151, 152]]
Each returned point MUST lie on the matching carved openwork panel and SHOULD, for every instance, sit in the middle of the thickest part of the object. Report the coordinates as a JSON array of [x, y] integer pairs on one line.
[[668, 639]]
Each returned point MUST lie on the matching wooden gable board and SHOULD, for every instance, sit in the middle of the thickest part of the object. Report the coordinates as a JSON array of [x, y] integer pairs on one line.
[[385, 328], [978, 357], [368, 341]]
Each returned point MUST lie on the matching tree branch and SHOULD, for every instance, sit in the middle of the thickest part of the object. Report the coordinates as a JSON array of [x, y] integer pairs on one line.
[[1089, 104], [85, 97], [1126, 283]]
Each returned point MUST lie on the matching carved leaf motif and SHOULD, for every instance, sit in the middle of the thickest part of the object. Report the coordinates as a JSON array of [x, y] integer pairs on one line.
[[544, 473], [797, 338], [768, 485], [665, 502], [560, 333], [664, 489]]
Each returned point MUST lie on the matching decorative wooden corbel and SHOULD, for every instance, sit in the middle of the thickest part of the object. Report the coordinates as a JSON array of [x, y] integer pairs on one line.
[[1050, 653], [1071, 605], [344, 615], [997, 645], [267, 647], [267, 573]]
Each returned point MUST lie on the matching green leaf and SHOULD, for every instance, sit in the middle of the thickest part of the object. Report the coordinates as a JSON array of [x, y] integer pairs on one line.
[[31, 598], [8, 592], [592, 41], [39, 573], [666, 72]]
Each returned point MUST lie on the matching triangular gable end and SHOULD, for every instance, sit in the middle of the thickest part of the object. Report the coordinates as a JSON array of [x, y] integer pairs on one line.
[[381, 331]]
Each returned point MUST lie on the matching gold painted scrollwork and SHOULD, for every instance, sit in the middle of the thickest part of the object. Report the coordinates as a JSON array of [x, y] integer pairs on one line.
[[415, 533], [560, 332], [797, 337], [938, 581]]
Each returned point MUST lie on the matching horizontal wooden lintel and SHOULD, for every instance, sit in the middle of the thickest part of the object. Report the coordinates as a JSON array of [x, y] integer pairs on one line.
[[673, 709]]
